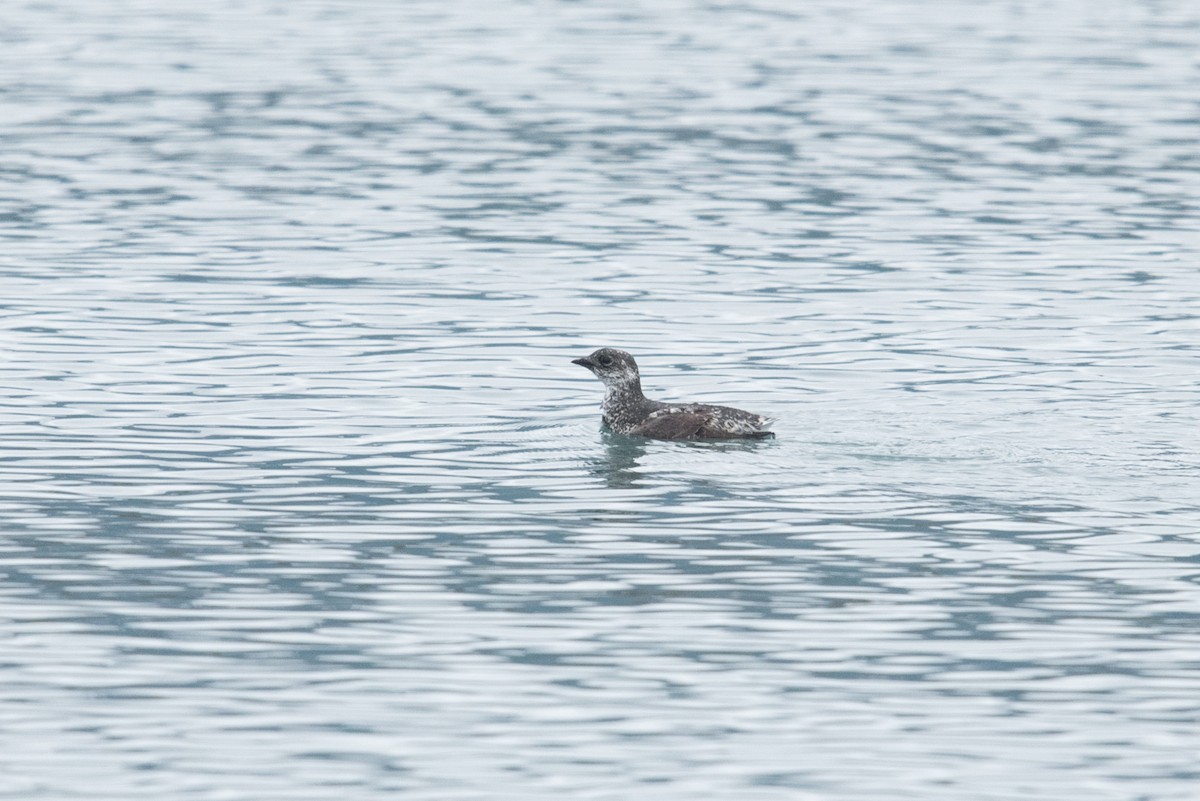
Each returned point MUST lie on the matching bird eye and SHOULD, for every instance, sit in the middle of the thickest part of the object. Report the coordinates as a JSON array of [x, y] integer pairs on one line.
[[605, 360]]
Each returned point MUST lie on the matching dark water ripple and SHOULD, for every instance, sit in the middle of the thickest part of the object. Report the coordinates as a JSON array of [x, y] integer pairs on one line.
[[301, 495]]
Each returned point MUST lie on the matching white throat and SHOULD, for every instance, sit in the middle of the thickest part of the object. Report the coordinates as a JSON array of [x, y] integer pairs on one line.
[[619, 385]]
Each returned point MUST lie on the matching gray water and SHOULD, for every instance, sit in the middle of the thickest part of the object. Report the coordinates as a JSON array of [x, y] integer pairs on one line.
[[303, 499]]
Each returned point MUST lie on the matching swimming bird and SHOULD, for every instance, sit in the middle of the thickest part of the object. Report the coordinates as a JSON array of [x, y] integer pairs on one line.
[[627, 411]]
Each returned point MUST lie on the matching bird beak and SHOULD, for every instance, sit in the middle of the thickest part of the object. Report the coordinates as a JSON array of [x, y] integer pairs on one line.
[[583, 363]]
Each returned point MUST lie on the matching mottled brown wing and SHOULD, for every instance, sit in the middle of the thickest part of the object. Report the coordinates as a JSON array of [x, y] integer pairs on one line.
[[679, 425]]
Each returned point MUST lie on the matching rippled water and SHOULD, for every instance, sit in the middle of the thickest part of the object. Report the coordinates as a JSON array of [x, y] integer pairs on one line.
[[303, 499]]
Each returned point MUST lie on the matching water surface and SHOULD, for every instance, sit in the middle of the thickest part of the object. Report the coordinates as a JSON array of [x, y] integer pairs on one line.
[[302, 497]]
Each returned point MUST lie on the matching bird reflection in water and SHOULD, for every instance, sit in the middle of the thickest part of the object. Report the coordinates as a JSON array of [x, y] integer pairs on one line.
[[620, 463]]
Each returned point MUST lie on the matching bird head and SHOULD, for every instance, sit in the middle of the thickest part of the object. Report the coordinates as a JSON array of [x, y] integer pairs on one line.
[[614, 367]]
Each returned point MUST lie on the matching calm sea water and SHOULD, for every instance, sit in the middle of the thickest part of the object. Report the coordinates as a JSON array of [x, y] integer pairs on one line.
[[301, 497]]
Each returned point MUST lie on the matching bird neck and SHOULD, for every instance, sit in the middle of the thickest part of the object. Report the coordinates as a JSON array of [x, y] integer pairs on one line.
[[629, 390]]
